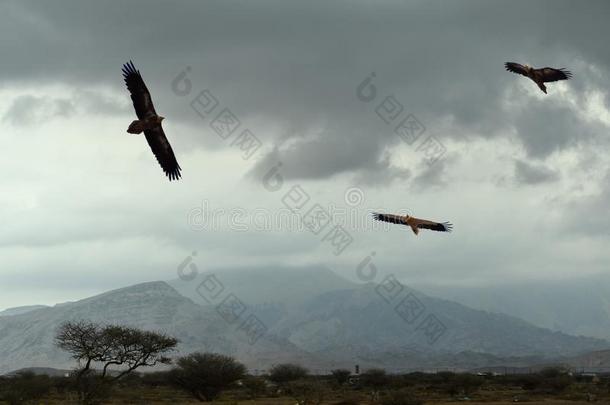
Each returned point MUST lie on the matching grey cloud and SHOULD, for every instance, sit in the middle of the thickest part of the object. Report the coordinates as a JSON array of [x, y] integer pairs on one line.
[[546, 127], [31, 110], [95, 102], [590, 215], [34, 110], [526, 173], [382, 173], [289, 72], [434, 175], [331, 153], [298, 65]]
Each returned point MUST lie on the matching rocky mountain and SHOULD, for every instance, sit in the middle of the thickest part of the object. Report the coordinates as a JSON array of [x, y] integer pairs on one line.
[[26, 340], [21, 310], [360, 323], [577, 306], [338, 327], [268, 285]]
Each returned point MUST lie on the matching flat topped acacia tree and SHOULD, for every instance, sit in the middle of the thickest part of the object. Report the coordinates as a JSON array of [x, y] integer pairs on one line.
[[107, 346]]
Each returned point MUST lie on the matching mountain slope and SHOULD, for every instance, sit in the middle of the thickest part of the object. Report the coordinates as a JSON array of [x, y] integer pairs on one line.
[[575, 306], [269, 285], [21, 310], [26, 340], [359, 322], [339, 327]]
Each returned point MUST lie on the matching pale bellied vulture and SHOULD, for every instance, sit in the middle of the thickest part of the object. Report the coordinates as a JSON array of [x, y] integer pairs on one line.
[[414, 223], [539, 76], [149, 122]]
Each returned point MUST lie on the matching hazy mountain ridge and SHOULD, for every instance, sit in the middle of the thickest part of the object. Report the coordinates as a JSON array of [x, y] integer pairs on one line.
[[26, 340], [337, 327], [575, 306], [334, 321], [268, 285], [21, 310]]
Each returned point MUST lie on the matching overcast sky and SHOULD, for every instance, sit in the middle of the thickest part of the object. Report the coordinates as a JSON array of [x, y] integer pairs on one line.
[[524, 176]]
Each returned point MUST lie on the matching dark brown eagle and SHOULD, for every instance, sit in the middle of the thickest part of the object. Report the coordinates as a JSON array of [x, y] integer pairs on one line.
[[539, 76], [149, 122], [415, 223]]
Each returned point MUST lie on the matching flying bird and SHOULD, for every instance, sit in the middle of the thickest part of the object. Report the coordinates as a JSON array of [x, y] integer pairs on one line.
[[415, 223], [539, 76], [149, 122]]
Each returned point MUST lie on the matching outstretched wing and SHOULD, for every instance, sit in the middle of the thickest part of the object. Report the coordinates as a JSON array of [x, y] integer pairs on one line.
[[516, 68], [140, 95], [163, 152], [391, 218], [553, 75], [434, 226]]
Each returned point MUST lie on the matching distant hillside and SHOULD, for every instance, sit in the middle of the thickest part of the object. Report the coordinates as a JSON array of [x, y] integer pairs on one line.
[[358, 323], [591, 361], [26, 340], [21, 310], [338, 327], [579, 306], [51, 372], [269, 285]]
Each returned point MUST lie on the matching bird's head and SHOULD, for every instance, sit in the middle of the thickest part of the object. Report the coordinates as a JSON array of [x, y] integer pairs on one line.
[[528, 67]]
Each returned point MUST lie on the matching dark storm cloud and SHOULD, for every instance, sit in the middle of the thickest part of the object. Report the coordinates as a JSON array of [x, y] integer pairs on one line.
[[88, 199], [545, 128], [381, 174], [526, 173], [298, 64]]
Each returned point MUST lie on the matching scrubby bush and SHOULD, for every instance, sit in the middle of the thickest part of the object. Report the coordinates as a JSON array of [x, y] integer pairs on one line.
[[558, 384], [306, 392], [529, 382], [551, 372], [155, 379], [341, 376], [206, 375], [24, 387], [347, 401], [401, 397], [255, 386], [283, 373], [445, 376], [374, 378]]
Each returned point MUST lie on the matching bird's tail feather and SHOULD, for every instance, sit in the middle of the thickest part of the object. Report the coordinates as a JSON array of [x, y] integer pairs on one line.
[[136, 127]]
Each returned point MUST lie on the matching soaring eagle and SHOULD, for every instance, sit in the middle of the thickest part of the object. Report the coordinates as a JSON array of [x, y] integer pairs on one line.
[[415, 223], [149, 122], [539, 76]]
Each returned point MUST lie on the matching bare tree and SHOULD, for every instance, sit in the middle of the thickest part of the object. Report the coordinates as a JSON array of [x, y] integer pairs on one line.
[[123, 347]]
